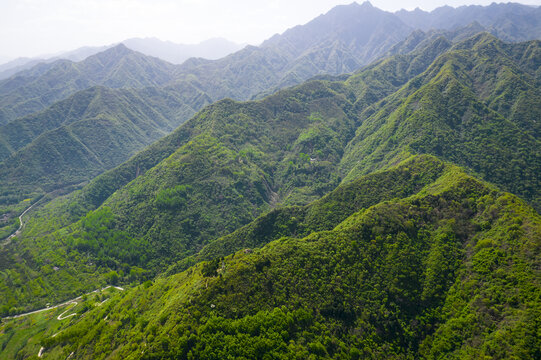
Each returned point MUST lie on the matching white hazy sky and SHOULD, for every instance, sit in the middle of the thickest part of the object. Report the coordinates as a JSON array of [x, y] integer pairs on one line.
[[38, 27]]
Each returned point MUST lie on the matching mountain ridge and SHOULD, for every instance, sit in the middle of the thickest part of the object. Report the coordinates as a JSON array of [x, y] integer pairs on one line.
[[63, 78], [411, 255], [496, 18], [165, 50], [351, 216], [233, 161]]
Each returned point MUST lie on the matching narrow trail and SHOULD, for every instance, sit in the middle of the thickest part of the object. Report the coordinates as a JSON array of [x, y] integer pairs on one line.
[[62, 304], [61, 317], [21, 224], [54, 193]]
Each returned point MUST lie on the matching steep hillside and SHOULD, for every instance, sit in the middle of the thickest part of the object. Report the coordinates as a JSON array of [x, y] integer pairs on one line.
[[33, 90], [92, 103], [326, 213], [220, 170], [471, 99], [451, 270], [78, 138], [235, 161]]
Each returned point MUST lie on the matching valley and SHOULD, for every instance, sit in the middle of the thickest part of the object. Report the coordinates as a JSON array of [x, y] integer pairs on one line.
[[366, 185]]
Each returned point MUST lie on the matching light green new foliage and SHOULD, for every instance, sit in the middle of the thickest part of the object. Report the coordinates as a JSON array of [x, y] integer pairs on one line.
[[320, 222], [454, 266]]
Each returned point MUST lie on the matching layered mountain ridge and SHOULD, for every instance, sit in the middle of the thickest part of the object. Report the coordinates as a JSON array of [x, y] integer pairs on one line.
[[35, 89], [338, 42], [165, 50], [355, 216], [234, 161]]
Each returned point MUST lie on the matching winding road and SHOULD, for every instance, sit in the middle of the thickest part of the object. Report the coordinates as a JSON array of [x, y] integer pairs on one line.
[[54, 193], [21, 224], [62, 317], [62, 304]]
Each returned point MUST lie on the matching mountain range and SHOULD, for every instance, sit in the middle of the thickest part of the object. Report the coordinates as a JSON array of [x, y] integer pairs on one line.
[[232, 162], [385, 206], [165, 50], [14, 66], [335, 43], [510, 22]]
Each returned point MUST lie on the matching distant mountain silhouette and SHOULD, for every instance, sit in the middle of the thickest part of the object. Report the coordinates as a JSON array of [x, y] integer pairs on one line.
[[211, 49], [510, 21]]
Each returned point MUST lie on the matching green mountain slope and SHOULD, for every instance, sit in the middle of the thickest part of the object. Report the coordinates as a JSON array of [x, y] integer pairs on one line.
[[91, 103], [94, 130], [234, 161], [270, 164], [452, 270], [326, 213], [35, 89], [469, 107], [78, 138]]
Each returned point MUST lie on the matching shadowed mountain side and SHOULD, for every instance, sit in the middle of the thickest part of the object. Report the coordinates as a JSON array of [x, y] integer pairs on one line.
[[86, 134], [35, 89]]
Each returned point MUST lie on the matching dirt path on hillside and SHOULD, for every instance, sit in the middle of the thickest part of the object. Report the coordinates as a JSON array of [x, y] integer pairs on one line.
[[62, 304], [21, 224]]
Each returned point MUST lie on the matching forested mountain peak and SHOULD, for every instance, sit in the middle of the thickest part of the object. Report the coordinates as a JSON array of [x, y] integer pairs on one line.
[[34, 89], [363, 215]]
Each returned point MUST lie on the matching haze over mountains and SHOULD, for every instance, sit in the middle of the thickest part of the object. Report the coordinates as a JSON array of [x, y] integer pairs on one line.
[[514, 23], [165, 50], [360, 186], [510, 22], [210, 49]]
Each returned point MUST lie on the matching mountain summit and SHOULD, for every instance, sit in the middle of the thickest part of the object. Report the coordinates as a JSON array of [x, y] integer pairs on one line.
[[362, 215], [34, 89]]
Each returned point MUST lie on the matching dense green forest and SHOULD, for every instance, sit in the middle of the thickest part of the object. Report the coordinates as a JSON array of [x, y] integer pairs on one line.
[[447, 267], [388, 213], [76, 122], [63, 123], [235, 161]]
